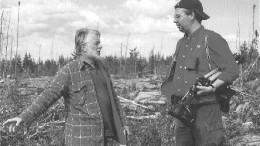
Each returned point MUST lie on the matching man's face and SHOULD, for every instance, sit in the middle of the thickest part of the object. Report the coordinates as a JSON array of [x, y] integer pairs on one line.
[[182, 20], [92, 46]]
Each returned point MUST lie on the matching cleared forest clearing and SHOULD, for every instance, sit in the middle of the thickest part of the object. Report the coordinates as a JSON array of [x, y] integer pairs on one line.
[[144, 108]]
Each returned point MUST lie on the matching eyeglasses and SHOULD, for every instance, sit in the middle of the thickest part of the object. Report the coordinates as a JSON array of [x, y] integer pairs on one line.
[[178, 16]]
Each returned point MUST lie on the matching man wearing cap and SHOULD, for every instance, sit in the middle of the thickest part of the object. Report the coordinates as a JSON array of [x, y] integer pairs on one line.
[[193, 60], [94, 115]]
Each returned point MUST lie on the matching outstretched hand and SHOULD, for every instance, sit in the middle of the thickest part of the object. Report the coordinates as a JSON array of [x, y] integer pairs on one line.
[[12, 124]]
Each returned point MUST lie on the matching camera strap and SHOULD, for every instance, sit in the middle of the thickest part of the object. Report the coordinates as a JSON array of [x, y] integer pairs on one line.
[[207, 51]]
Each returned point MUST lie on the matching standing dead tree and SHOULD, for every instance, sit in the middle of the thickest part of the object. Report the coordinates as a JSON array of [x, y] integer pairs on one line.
[[1, 34], [7, 38], [17, 40]]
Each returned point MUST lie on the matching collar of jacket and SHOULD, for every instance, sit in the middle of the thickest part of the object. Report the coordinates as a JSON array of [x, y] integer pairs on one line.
[[192, 35], [85, 64]]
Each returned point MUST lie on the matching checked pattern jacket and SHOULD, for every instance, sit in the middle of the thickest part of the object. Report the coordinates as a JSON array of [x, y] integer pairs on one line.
[[84, 124]]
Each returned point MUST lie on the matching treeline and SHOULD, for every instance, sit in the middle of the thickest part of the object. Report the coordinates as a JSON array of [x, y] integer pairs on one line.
[[134, 65], [26, 66]]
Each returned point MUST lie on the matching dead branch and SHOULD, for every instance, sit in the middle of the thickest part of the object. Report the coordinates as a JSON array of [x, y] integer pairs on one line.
[[155, 116], [132, 102], [154, 102]]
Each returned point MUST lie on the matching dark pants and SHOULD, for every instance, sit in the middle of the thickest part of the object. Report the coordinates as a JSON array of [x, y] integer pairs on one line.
[[109, 141], [207, 131]]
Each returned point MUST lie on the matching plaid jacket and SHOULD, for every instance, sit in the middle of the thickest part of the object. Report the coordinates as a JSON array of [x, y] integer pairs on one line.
[[84, 124]]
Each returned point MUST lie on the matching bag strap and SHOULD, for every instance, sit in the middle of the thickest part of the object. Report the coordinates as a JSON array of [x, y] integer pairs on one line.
[[176, 52], [207, 51], [173, 64]]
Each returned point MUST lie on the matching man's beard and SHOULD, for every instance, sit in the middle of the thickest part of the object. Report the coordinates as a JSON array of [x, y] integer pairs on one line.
[[93, 57]]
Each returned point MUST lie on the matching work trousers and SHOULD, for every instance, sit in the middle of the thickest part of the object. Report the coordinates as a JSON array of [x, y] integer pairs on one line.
[[207, 131], [109, 141]]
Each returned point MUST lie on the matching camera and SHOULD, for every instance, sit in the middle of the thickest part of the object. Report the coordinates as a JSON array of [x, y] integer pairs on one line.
[[183, 113]]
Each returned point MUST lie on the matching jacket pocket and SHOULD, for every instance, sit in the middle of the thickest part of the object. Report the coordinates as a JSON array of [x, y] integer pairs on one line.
[[192, 63], [76, 88], [78, 93]]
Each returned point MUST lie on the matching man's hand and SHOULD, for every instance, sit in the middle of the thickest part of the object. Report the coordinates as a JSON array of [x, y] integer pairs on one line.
[[203, 90], [126, 130], [11, 124]]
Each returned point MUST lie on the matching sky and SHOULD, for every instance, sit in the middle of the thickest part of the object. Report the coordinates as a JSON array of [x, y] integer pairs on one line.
[[46, 29]]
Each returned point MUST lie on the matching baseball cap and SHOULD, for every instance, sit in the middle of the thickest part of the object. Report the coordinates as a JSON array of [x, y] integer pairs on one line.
[[194, 5]]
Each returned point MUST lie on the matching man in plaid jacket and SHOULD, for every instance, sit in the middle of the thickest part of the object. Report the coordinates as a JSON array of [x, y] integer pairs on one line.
[[94, 116]]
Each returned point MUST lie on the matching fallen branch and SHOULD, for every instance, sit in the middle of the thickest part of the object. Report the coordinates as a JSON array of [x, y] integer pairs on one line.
[[156, 116], [132, 102], [249, 69], [154, 102]]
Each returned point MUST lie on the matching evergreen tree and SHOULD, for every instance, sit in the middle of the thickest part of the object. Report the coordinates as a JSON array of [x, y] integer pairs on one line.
[[133, 59], [61, 61], [152, 61]]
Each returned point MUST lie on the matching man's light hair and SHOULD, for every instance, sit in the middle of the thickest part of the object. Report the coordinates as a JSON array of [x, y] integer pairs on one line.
[[80, 36]]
